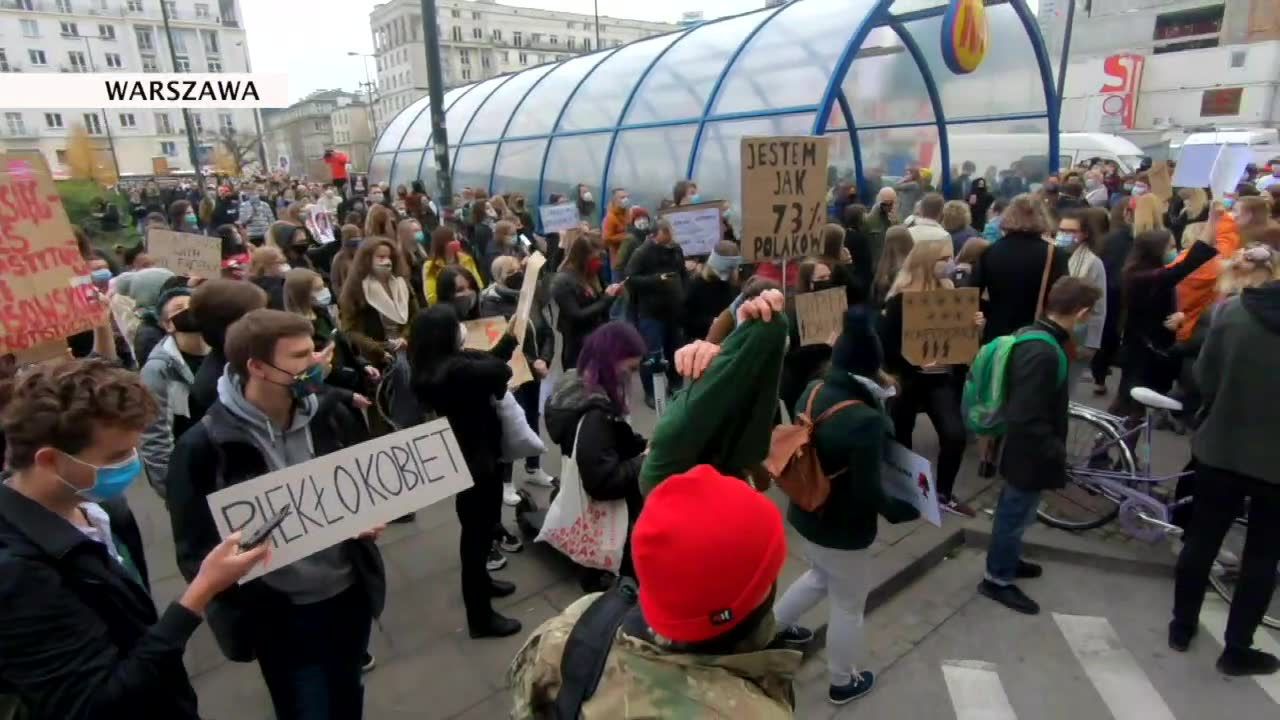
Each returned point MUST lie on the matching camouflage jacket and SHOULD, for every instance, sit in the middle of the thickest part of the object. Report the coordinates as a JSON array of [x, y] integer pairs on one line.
[[643, 681]]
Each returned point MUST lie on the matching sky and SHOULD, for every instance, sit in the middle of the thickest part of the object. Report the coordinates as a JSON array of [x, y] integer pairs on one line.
[[310, 44]]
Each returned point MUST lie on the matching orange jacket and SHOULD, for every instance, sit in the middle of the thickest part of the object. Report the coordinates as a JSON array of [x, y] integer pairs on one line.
[[1199, 291], [614, 231]]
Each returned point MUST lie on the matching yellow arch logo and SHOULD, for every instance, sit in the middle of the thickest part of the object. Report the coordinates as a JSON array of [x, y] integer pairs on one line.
[[965, 35]]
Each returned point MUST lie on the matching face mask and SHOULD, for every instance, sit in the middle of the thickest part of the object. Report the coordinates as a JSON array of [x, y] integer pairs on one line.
[[1169, 256], [944, 269], [109, 481], [515, 280], [1128, 187], [191, 219], [463, 302], [101, 276], [624, 203], [1091, 184], [694, 199], [322, 296], [642, 225], [420, 237], [1228, 203], [886, 208], [594, 266], [587, 197], [1139, 189], [822, 285], [1065, 240], [382, 267], [184, 322]]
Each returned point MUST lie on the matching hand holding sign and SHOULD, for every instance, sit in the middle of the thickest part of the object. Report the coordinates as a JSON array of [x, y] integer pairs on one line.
[[784, 196]]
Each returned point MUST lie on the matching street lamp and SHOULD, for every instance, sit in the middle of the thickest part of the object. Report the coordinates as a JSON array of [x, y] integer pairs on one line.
[[368, 86], [106, 117], [257, 113]]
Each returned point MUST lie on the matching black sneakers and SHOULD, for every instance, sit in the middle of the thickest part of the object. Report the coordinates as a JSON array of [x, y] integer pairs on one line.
[[1180, 636], [495, 561], [1028, 570], [794, 637], [1009, 596], [509, 543], [1247, 661], [496, 626], [860, 685]]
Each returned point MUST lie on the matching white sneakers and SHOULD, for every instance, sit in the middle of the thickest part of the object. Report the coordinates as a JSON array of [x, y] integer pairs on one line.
[[538, 477], [509, 496]]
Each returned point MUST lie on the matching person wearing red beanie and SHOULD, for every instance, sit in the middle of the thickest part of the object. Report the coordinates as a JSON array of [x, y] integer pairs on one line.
[[702, 635]]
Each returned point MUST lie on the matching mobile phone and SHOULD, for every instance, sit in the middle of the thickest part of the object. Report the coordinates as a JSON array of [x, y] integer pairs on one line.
[[258, 536]]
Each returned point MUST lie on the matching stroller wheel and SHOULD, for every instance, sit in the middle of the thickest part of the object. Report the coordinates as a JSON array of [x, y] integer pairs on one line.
[[526, 503]]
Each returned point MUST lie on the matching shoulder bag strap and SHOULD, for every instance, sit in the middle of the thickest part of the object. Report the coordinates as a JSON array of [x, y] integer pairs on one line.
[[587, 649], [1043, 297], [835, 409], [808, 406]]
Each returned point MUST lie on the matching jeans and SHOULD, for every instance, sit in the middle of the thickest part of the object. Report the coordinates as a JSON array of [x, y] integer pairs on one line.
[[479, 510], [935, 396], [310, 656], [1015, 511], [661, 339], [527, 396], [841, 577], [1219, 496]]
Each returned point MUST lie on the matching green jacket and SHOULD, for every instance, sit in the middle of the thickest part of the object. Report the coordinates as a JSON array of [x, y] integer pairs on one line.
[[724, 418], [853, 438]]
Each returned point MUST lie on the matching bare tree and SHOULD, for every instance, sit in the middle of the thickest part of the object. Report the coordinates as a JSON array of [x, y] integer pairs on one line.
[[240, 148]]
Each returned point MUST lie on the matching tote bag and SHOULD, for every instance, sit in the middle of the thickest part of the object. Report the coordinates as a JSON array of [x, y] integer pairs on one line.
[[592, 533]]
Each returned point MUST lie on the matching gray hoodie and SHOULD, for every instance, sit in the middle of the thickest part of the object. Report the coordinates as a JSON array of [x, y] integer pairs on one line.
[[321, 575], [169, 379]]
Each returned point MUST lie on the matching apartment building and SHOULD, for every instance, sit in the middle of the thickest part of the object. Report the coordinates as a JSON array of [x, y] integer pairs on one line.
[[121, 36], [301, 132]]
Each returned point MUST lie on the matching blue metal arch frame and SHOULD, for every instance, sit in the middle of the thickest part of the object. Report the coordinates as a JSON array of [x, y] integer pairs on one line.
[[935, 100], [429, 147], [457, 147], [502, 137], [715, 89], [854, 145], [391, 171], [1052, 102], [546, 152]]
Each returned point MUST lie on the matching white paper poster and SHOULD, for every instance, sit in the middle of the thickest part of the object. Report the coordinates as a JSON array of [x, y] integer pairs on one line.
[[559, 217], [345, 493], [696, 228], [907, 476]]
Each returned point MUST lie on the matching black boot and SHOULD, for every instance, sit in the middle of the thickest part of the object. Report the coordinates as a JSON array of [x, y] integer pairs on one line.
[[495, 626], [501, 588], [1247, 661]]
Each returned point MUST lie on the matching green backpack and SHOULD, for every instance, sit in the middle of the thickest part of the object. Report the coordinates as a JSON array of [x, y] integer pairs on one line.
[[984, 388]]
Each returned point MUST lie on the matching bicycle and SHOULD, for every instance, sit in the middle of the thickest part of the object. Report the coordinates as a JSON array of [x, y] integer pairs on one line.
[[1109, 476]]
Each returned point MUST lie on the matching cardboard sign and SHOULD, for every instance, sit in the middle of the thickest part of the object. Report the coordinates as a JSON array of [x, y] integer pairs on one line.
[[524, 305], [820, 314], [160, 165], [345, 493], [909, 477], [938, 328], [696, 228], [784, 196], [558, 217], [45, 290], [186, 253], [1161, 183], [318, 171], [484, 333]]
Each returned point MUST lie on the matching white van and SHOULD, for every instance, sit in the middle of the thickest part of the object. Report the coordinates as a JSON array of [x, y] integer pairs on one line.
[[1001, 151], [1264, 143]]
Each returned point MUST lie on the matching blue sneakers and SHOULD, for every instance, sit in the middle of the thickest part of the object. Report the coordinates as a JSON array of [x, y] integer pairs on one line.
[[856, 688]]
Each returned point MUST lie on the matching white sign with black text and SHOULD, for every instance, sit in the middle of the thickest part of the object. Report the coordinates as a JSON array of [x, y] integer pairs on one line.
[[907, 476], [559, 217]]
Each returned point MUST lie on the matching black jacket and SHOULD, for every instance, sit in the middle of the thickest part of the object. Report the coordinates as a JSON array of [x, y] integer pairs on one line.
[[1035, 408], [704, 302], [274, 288], [217, 453], [580, 310], [1114, 252], [226, 211], [81, 639], [656, 297], [539, 338], [609, 452], [204, 391], [1010, 272]]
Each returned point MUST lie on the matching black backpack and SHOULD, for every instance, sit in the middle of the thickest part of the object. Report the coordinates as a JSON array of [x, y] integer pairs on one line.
[[587, 648]]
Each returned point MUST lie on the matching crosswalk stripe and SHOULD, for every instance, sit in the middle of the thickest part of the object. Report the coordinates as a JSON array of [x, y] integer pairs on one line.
[[1213, 616], [1115, 673], [976, 692]]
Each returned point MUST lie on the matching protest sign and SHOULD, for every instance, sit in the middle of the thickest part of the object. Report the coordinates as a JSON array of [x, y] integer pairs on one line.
[[938, 327], [320, 224], [1228, 171], [1195, 165], [345, 493], [909, 477], [784, 196], [696, 228], [186, 253], [1161, 185], [484, 333], [558, 217], [318, 171], [45, 291], [532, 267], [820, 314]]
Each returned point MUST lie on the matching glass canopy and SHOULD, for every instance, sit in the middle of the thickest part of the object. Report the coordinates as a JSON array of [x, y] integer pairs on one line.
[[869, 74]]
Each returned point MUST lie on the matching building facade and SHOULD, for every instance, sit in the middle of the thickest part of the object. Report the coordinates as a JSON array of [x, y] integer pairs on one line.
[[300, 133], [124, 36], [481, 39], [353, 131]]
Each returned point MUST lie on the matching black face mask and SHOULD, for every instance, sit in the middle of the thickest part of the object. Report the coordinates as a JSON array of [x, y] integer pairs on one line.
[[184, 322], [515, 280], [823, 285]]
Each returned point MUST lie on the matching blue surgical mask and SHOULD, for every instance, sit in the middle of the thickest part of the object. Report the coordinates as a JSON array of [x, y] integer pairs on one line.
[[1065, 240], [1170, 256], [694, 199], [109, 481], [323, 297], [101, 276], [420, 236], [192, 219]]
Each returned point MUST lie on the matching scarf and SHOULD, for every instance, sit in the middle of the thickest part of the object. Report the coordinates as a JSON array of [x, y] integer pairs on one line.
[[1081, 259], [394, 307]]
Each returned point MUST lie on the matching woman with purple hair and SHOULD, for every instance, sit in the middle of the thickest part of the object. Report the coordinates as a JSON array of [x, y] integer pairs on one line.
[[588, 406]]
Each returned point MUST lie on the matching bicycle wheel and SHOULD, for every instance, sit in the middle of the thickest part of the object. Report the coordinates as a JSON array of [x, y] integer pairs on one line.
[[1226, 571], [1092, 445]]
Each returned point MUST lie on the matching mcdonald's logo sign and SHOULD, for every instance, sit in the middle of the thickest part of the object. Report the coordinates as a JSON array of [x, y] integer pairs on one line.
[[965, 35]]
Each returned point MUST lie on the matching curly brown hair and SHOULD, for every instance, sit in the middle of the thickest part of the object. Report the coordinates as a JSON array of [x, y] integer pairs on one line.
[[352, 299], [58, 404]]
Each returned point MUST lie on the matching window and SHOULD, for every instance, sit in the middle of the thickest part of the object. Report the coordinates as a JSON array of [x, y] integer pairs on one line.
[[64, 6], [570, 42], [68, 29], [535, 39], [180, 42], [61, 156], [14, 123], [172, 7], [169, 148], [475, 16], [464, 57], [53, 121], [114, 61], [149, 64], [4, 60], [497, 34], [78, 62], [455, 13], [542, 58], [134, 5], [1220, 102], [215, 65], [202, 10], [572, 26], [30, 28], [197, 120], [484, 61], [107, 32], [506, 56], [553, 40], [164, 126], [92, 123], [36, 57], [211, 44], [477, 33], [517, 40], [524, 58], [146, 41], [127, 120], [226, 122], [456, 34], [1188, 23], [466, 73]]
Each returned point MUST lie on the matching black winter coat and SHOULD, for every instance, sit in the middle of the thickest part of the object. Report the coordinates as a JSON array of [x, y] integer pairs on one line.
[[656, 297], [580, 310], [1035, 408], [1010, 272], [704, 302]]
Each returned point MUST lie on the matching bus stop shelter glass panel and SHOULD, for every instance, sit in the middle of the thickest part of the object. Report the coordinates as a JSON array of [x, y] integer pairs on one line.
[[427, 174], [884, 85], [1007, 81], [575, 159], [1011, 155], [405, 169], [887, 155], [840, 158], [493, 117], [517, 170], [679, 84], [419, 133], [472, 166], [541, 108], [380, 167], [648, 162], [462, 111], [599, 101], [719, 169], [390, 138], [790, 61]]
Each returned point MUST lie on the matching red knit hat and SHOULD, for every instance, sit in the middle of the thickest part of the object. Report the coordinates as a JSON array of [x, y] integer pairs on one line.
[[707, 551]]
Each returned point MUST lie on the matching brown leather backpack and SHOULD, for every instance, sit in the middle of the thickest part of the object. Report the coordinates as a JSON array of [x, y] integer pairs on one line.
[[793, 460]]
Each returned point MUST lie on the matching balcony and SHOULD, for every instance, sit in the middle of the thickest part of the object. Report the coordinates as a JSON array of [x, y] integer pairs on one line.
[[18, 132]]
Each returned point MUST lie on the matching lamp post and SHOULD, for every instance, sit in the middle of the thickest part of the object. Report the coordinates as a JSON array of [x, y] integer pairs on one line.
[[106, 119], [192, 155], [435, 90], [257, 114], [368, 86]]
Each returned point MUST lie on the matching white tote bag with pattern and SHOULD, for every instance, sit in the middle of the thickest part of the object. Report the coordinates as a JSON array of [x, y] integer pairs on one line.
[[592, 533]]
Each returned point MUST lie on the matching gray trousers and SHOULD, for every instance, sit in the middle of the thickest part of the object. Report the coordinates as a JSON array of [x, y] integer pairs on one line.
[[841, 577]]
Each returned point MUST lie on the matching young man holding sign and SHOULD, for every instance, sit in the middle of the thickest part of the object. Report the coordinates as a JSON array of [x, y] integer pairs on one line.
[[307, 623]]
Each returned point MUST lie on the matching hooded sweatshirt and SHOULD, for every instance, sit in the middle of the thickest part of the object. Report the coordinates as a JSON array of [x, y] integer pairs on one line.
[[169, 378], [321, 575], [1237, 379]]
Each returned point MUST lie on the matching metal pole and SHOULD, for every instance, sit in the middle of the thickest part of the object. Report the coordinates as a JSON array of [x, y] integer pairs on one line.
[[1066, 51], [596, 5], [435, 88], [257, 115], [368, 86], [192, 155], [106, 119]]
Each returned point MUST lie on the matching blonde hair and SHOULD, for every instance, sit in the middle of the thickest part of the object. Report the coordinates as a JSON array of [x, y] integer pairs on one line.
[[1195, 202], [897, 245], [1024, 214], [1238, 272], [1148, 211], [956, 215], [264, 259], [917, 269]]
